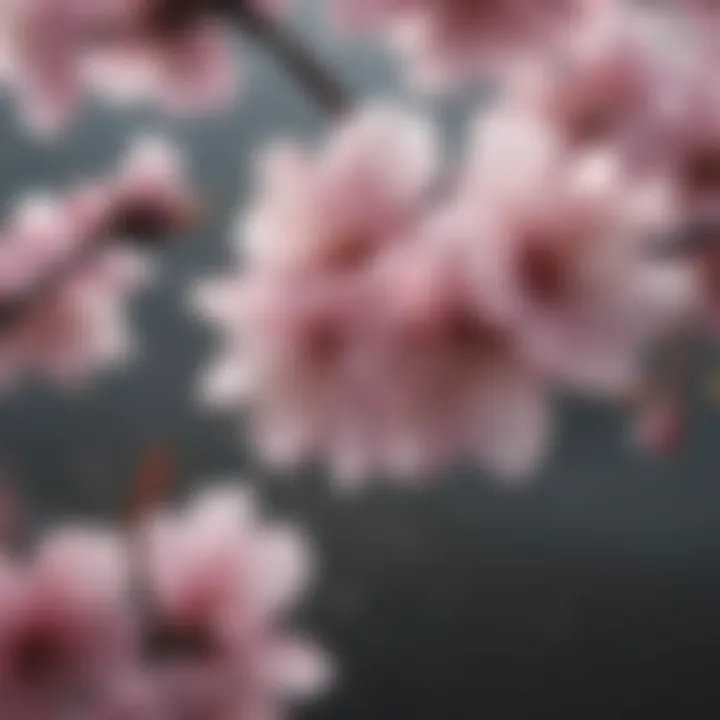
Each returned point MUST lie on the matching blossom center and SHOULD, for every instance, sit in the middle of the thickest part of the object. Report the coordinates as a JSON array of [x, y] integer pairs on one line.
[[543, 270], [701, 171], [36, 654], [469, 335], [592, 122]]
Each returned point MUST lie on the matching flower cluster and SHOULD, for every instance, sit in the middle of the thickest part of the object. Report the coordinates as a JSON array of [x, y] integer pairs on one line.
[[390, 314], [391, 327], [68, 265], [391, 321], [386, 312], [180, 54], [181, 616]]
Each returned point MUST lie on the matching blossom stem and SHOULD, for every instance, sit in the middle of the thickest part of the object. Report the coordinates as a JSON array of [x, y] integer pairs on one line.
[[296, 58]]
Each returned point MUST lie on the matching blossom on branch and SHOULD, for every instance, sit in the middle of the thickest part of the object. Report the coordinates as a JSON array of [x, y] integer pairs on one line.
[[218, 584], [65, 627], [610, 87], [182, 616], [180, 54], [68, 266], [574, 241], [352, 331]]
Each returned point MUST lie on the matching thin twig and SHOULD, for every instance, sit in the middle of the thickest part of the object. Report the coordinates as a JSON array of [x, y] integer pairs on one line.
[[296, 58]]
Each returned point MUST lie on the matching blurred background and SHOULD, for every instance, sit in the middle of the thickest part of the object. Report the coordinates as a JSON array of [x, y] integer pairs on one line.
[[594, 592]]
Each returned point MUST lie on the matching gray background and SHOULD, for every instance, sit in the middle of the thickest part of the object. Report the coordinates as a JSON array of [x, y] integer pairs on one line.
[[593, 593]]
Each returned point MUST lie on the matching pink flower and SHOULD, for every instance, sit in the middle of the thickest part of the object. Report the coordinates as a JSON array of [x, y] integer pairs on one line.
[[64, 284], [183, 617], [316, 230], [218, 582], [450, 39], [181, 56], [694, 152], [332, 212], [293, 353], [610, 86], [352, 336], [573, 243], [66, 628], [455, 381], [187, 68], [691, 162], [75, 325], [44, 45], [150, 197]]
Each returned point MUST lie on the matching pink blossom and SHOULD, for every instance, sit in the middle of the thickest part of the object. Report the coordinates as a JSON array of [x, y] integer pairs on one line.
[[332, 212], [186, 69], [184, 616], [318, 340], [573, 242], [66, 628], [150, 196], [456, 383], [76, 325], [44, 44], [694, 150], [219, 581], [63, 282], [691, 162], [610, 86], [181, 56], [310, 241], [450, 39]]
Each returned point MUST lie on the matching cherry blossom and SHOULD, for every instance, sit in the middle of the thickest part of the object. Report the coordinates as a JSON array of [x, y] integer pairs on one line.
[[66, 627], [690, 161], [183, 615], [180, 56], [218, 582], [456, 381], [574, 241], [43, 45], [611, 85], [318, 227], [332, 212], [65, 284], [320, 337]]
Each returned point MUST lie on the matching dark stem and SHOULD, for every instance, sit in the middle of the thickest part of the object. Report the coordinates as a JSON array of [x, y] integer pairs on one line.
[[297, 59]]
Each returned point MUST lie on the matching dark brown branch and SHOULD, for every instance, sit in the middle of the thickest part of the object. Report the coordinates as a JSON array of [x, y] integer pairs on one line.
[[297, 59]]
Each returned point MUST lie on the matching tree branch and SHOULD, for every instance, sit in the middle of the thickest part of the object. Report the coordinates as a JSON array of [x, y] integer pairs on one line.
[[297, 59]]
